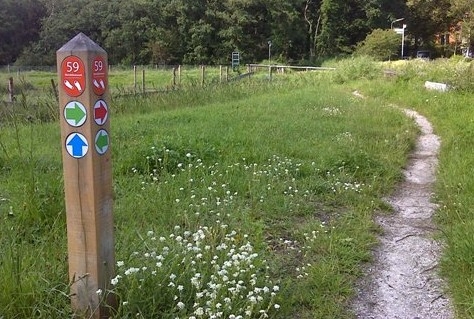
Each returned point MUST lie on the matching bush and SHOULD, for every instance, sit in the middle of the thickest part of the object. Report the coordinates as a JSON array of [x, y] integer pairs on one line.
[[358, 67], [380, 45]]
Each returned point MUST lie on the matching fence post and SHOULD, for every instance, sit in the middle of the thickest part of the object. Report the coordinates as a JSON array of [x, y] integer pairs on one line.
[[135, 78], [270, 71], [179, 75], [203, 70], [55, 91], [220, 74], [174, 76], [143, 81], [87, 169], [11, 92], [227, 73]]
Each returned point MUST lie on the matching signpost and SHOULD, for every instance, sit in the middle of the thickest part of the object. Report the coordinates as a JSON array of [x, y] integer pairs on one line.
[[87, 168], [235, 60], [402, 32]]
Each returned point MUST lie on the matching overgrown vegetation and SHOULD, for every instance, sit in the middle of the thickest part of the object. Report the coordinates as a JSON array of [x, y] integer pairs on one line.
[[294, 206], [283, 176]]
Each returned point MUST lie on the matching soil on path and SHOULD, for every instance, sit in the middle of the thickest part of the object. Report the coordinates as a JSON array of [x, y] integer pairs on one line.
[[403, 281]]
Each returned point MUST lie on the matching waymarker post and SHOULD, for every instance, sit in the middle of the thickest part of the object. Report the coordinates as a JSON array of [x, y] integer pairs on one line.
[[87, 168]]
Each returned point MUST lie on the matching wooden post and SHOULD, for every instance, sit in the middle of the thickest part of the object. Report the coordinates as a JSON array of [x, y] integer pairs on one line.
[[55, 90], [220, 74], [203, 70], [135, 78], [227, 74], [11, 91], [87, 166], [174, 77], [143, 81], [179, 75], [270, 71]]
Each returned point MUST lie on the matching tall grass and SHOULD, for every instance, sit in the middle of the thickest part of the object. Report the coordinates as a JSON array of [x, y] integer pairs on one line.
[[452, 116], [266, 191]]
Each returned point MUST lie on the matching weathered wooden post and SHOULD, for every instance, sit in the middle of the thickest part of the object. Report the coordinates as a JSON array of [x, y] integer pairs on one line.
[[220, 74], [179, 75], [203, 71], [55, 90], [143, 81], [135, 78], [173, 80], [11, 91], [87, 167]]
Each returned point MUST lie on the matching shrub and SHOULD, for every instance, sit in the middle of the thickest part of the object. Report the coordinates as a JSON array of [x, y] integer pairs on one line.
[[380, 45], [358, 67]]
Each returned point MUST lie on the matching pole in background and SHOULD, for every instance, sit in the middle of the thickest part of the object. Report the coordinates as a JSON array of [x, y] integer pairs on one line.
[[403, 38]]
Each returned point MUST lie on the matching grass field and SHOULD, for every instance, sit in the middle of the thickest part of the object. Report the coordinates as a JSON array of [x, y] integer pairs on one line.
[[283, 176]]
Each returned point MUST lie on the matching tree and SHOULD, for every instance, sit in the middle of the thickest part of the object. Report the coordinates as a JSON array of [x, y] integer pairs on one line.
[[19, 25], [344, 23], [463, 11], [380, 44], [427, 18]]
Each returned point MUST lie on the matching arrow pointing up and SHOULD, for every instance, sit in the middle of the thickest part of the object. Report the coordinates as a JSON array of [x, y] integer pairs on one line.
[[77, 143]]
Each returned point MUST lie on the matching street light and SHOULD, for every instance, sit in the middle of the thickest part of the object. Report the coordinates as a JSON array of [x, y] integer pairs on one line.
[[397, 20], [400, 31], [269, 52], [403, 37]]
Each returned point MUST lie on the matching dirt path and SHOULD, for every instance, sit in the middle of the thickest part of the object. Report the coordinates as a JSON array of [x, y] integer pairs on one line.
[[403, 281]]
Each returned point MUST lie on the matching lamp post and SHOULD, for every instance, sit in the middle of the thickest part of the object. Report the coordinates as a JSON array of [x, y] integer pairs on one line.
[[269, 52], [403, 37], [400, 31], [396, 20]]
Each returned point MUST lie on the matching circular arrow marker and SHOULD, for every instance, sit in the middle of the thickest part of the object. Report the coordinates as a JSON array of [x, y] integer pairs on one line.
[[99, 75], [101, 112], [102, 142], [75, 113], [77, 145], [73, 76]]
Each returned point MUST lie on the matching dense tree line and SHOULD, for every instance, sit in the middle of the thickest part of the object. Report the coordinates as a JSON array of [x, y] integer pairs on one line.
[[207, 31]]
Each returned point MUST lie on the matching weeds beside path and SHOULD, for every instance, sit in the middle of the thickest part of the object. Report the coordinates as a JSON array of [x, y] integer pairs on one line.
[[403, 281]]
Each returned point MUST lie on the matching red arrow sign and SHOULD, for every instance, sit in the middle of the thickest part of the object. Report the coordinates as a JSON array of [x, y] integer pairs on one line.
[[101, 112]]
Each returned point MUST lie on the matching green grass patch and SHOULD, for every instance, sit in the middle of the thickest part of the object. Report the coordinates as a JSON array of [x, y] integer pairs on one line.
[[248, 199]]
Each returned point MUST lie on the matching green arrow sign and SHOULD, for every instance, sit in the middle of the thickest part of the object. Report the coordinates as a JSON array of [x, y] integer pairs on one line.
[[75, 113], [102, 142]]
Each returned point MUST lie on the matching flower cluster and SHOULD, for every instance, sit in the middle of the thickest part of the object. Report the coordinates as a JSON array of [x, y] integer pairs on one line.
[[208, 273], [214, 271], [345, 137], [331, 111], [342, 182]]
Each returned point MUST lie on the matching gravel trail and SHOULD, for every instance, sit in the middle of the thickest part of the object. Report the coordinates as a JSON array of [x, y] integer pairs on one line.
[[403, 281]]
